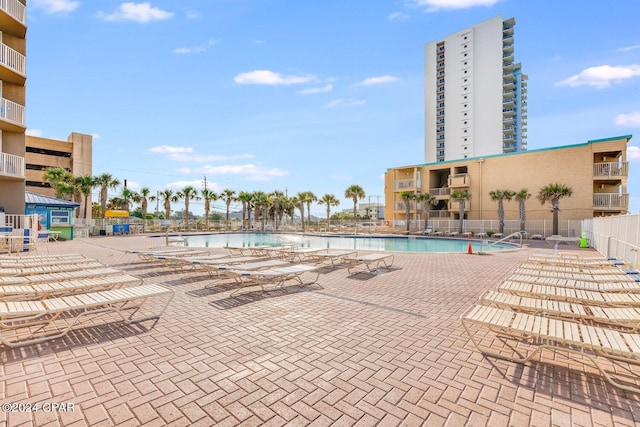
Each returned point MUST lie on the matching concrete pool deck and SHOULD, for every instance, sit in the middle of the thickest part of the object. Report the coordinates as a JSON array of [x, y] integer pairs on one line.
[[366, 350]]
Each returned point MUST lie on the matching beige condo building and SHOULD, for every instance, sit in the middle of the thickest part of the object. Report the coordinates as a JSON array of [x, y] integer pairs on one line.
[[596, 171], [13, 31], [74, 155]]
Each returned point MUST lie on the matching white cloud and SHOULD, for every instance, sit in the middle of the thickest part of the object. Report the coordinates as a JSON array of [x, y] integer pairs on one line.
[[34, 132], [633, 152], [179, 185], [137, 12], [169, 149], [266, 77], [398, 16], [628, 48], [95, 136], [377, 80], [631, 119], [180, 157], [314, 90], [55, 6], [435, 5], [601, 76], [345, 103], [195, 49]]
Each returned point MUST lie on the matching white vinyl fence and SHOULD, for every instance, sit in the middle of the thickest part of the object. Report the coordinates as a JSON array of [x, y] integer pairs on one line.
[[616, 236]]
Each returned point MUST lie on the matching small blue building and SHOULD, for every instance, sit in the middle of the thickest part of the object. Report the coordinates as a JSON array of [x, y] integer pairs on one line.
[[54, 214]]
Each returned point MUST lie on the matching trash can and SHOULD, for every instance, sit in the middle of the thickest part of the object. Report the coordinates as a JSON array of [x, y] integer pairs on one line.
[[120, 229]]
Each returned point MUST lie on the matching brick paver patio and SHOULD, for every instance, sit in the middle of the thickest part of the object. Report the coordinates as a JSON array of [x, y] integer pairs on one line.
[[381, 350]]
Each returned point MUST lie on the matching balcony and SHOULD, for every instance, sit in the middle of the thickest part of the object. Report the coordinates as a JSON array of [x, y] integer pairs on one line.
[[610, 169], [455, 206], [459, 180], [13, 17], [11, 116], [402, 206], [610, 201], [439, 214], [12, 65], [407, 184], [11, 166], [435, 192]]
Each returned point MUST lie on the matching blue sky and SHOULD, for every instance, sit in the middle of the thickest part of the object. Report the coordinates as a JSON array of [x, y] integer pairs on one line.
[[306, 95]]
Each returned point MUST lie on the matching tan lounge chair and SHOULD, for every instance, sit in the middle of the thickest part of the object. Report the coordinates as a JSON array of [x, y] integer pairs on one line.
[[572, 294], [542, 332], [334, 256], [56, 316], [50, 268]]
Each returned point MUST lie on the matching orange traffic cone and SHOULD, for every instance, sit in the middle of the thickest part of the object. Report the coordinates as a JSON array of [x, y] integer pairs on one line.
[[470, 249]]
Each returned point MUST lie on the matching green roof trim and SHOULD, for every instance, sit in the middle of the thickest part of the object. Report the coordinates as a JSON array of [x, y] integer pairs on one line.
[[560, 147]]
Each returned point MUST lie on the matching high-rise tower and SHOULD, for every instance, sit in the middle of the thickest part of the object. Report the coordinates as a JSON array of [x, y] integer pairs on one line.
[[13, 30], [475, 94]]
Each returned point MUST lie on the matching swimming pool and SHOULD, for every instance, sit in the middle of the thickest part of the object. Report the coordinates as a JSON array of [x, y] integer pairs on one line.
[[377, 243]]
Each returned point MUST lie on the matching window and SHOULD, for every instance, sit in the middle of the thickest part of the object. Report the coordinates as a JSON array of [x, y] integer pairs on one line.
[[59, 217]]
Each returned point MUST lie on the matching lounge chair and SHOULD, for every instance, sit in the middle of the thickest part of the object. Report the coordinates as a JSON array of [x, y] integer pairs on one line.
[[573, 269], [213, 266], [627, 317], [59, 276], [593, 296], [333, 256], [300, 254], [49, 268], [273, 276], [542, 332], [62, 313], [585, 277], [244, 250], [33, 261], [251, 266], [369, 263], [68, 287]]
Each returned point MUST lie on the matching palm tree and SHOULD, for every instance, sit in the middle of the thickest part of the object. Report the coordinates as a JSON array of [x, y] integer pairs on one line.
[[145, 197], [522, 196], [105, 181], [58, 177], [188, 193], [278, 205], [407, 196], [85, 185], [301, 200], [308, 198], [168, 196], [355, 193], [291, 205], [228, 196], [460, 196], [329, 200], [261, 201], [500, 196], [129, 196], [553, 193], [208, 196], [245, 198], [427, 201]]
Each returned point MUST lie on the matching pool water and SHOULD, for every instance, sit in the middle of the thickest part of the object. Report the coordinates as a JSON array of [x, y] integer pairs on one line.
[[378, 243]]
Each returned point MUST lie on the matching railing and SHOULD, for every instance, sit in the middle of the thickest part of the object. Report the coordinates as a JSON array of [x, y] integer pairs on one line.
[[11, 165], [11, 111], [616, 236], [400, 206], [440, 191], [407, 183], [459, 180], [610, 200], [610, 169], [12, 59], [14, 9]]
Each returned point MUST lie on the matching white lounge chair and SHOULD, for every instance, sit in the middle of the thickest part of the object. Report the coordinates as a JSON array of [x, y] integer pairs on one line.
[[333, 256], [369, 263], [59, 276], [50, 268], [542, 332], [68, 287], [56, 316], [274, 276], [572, 294]]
